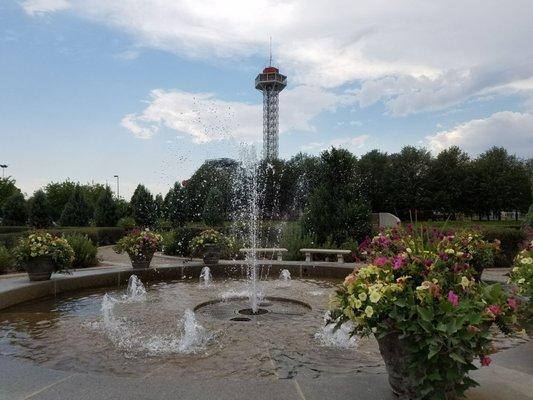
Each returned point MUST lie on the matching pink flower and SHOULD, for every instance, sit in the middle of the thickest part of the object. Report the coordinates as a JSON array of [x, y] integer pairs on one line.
[[494, 309], [485, 361], [398, 262], [349, 279], [453, 298], [381, 261], [513, 303]]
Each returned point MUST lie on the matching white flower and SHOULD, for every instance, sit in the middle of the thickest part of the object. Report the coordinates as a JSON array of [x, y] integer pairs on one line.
[[526, 260], [449, 251]]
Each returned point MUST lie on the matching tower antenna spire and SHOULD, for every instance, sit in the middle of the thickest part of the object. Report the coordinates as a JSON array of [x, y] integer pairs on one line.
[[270, 62]]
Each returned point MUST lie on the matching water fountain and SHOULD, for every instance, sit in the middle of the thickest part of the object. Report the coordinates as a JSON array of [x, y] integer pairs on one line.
[[285, 277], [205, 277]]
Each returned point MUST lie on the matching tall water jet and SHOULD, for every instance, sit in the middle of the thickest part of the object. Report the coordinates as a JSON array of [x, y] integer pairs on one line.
[[205, 276]]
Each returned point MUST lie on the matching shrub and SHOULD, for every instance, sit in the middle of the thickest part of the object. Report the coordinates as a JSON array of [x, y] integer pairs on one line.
[[177, 242], [11, 229], [39, 211], [522, 276], [84, 250], [511, 240], [174, 205], [77, 211], [105, 212], [199, 243], [162, 224], [293, 239], [126, 223], [6, 259], [14, 210]]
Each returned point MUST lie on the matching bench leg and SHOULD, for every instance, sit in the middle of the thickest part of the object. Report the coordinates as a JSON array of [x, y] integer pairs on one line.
[[307, 257], [280, 257], [340, 258]]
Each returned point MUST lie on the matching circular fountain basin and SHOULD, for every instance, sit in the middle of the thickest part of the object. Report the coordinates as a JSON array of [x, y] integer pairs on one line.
[[186, 328]]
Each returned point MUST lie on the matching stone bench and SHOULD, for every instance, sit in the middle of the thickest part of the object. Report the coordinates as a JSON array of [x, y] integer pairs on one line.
[[276, 251], [339, 253]]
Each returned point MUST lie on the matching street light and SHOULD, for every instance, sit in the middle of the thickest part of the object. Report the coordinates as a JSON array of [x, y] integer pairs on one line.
[[118, 193], [3, 166]]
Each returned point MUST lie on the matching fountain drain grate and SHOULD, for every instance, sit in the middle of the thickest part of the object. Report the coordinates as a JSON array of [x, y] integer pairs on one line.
[[249, 311]]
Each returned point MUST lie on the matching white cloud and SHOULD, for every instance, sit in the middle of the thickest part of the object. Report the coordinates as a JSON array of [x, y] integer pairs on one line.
[[128, 55], [413, 55], [512, 130], [353, 143], [39, 7], [207, 118]]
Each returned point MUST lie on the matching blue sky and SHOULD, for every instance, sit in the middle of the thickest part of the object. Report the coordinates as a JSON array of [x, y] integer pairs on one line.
[[150, 89]]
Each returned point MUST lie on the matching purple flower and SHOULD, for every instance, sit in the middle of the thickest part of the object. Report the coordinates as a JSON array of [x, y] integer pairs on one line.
[[453, 298], [397, 262], [444, 256], [428, 262], [381, 261]]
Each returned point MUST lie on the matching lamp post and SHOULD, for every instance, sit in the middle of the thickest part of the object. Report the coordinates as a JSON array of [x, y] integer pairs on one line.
[[118, 187], [3, 166]]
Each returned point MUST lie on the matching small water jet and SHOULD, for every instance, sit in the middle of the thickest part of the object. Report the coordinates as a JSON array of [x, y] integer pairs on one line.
[[285, 277], [135, 290], [205, 276]]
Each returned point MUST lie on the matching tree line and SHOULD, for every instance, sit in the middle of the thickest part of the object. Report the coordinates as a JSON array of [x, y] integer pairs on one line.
[[411, 184]]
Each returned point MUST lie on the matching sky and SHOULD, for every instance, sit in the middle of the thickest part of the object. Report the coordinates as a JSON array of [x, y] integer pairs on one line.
[[149, 89]]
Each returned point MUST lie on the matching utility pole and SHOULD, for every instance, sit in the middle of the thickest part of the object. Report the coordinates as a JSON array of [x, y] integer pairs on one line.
[[118, 187], [3, 166]]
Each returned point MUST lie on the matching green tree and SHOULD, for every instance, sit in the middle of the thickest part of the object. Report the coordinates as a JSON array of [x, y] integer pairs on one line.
[[448, 182], [159, 205], [374, 169], [175, 205], [14, 212], [39, 211], [214, 212], [7, 188], [105, 212], [58, 195], [408, 182], [270, 175], [213, 173], [77, 211], [337, 211], [142, 206]]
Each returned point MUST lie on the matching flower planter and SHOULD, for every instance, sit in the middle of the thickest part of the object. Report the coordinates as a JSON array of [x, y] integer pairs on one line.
[[396, 357], [40, 268], [141, 261], [211, 254]]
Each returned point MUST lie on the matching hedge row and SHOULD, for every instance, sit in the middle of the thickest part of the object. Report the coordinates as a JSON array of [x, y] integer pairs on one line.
[[100, 236], [511, 241]]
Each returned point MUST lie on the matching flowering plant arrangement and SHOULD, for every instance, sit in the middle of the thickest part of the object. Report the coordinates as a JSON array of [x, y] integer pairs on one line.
[[209, 238], [39, 245], [522, 271], [139, 243], [420, 292]]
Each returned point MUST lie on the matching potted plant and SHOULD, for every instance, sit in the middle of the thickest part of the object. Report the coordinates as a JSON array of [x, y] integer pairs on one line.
[[522, 277], [41, 254], [431, 317], [140, 246], [209, 244]]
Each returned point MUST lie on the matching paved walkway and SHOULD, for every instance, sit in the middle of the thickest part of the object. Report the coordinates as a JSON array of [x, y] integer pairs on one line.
[[509, 376]]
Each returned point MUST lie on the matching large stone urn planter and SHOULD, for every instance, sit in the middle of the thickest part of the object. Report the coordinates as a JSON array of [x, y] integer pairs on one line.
[[40, 268], [396, 356], [211, 254], [141, 260]]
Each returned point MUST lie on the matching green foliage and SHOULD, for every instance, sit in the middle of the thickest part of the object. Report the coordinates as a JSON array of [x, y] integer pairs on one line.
[[374, 169], [159, 206], [212, 173], [139, 243], [84, 251], [293, 239], [58, 195], [336, 208], [77, 211], [174, 205], [511, 239], [105, 212], [528, 221], [6, 259], [126, 223], [177, 242], [39, 211], [7, 188], [208, 237], [214, 212], [14, 210], [142, 207]]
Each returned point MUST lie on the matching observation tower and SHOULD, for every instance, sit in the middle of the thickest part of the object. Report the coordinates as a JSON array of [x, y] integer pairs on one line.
[[270, 82]]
